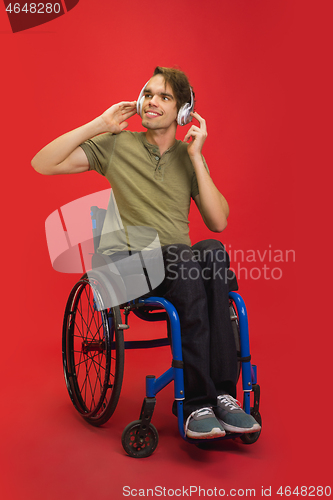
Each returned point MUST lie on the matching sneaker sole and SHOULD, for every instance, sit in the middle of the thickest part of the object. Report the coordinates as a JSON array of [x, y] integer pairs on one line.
[[242, 430], [214, 433]]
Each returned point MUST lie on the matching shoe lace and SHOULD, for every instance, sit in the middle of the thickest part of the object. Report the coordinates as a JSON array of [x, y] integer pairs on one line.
[[229, 401], [200, 413]]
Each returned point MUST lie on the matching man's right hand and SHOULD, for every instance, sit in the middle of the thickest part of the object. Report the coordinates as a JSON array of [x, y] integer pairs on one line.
[[64, 156], [115, 117]]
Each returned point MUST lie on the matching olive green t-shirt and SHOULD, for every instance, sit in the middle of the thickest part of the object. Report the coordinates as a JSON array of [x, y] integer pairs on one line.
[[149, 189]]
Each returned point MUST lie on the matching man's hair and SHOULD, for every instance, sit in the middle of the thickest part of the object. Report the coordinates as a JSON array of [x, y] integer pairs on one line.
[[179, 83]]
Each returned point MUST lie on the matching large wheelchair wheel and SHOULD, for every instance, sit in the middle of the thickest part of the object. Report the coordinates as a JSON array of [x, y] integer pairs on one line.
[[93, 351]]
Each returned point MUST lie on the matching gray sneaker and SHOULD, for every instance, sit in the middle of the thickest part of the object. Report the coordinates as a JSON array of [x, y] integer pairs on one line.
[[232, 417], [202, 424]]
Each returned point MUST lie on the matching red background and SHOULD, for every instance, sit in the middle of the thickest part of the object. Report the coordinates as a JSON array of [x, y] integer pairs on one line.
[[261, 71]]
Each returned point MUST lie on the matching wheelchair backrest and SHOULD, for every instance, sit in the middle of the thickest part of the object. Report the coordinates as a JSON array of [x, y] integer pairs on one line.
[[97, 219]]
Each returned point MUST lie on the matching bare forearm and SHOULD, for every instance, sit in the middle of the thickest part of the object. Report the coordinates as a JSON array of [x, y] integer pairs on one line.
[[51, 156], [214, 207], [63, 156]]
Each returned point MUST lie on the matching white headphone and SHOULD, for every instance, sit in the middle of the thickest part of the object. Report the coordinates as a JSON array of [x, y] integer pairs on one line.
[[183, 117]]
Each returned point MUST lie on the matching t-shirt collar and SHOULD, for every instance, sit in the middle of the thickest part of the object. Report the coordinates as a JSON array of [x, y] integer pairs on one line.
[[153, 148]]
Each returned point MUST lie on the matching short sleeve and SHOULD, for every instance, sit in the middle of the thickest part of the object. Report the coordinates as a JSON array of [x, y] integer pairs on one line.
[[195, 187], [99, 151]]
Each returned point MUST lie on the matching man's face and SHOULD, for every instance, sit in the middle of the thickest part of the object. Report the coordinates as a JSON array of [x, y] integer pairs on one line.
[[159, 110]]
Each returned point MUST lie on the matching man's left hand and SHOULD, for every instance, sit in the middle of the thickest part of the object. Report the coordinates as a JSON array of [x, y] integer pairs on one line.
[[198, 136]]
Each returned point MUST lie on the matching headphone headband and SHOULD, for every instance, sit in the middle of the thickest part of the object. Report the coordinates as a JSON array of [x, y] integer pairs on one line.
[[183, 117]]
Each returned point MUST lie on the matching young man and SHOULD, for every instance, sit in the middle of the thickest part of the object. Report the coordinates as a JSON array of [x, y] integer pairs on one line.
[[154, 177]]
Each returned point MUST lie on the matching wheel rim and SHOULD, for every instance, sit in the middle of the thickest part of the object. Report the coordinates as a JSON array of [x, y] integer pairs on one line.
[[87, 356]]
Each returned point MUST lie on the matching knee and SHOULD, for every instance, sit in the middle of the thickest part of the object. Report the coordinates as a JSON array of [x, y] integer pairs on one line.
[[220, 255], [210, 251]]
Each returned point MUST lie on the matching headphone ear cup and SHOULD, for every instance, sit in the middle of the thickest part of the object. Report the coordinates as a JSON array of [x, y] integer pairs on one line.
[[184, 114], [184, 117], [180, 116], [139, 102], [139, 105]]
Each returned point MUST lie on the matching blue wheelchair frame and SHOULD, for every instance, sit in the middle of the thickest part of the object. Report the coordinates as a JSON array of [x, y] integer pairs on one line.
[[175, 373]]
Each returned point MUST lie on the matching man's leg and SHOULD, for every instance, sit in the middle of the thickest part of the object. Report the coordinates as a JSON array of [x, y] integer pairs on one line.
[[214, 262], [184, 288]]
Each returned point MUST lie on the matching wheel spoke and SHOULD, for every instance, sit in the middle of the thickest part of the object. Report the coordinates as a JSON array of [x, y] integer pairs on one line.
[[93, 336], [91, 302], [98, 378], [90, 358], [87, 379]]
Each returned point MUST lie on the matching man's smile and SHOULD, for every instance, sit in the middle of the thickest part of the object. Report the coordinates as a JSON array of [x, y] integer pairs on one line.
[[152, 113]]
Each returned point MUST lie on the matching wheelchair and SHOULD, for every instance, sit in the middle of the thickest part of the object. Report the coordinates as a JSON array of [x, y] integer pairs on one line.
[[93, 355]]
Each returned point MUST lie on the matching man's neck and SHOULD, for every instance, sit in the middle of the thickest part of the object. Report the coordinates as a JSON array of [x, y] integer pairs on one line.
[[163, 139]]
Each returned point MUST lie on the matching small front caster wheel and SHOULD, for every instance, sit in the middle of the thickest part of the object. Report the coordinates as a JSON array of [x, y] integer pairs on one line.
[[252, 437], [136, 444]]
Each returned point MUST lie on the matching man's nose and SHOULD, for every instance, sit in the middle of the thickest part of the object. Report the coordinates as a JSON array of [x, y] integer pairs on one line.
[[153, 100]]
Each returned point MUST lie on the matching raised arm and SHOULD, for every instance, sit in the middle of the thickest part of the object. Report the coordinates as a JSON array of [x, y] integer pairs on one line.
[[211, 203], [64, 156]]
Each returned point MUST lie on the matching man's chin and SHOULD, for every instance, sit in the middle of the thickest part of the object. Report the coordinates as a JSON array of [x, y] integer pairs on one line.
[[154, 125], [147, 124]]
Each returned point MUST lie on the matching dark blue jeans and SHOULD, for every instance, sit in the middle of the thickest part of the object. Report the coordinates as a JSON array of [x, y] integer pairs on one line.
[[196, 284]]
